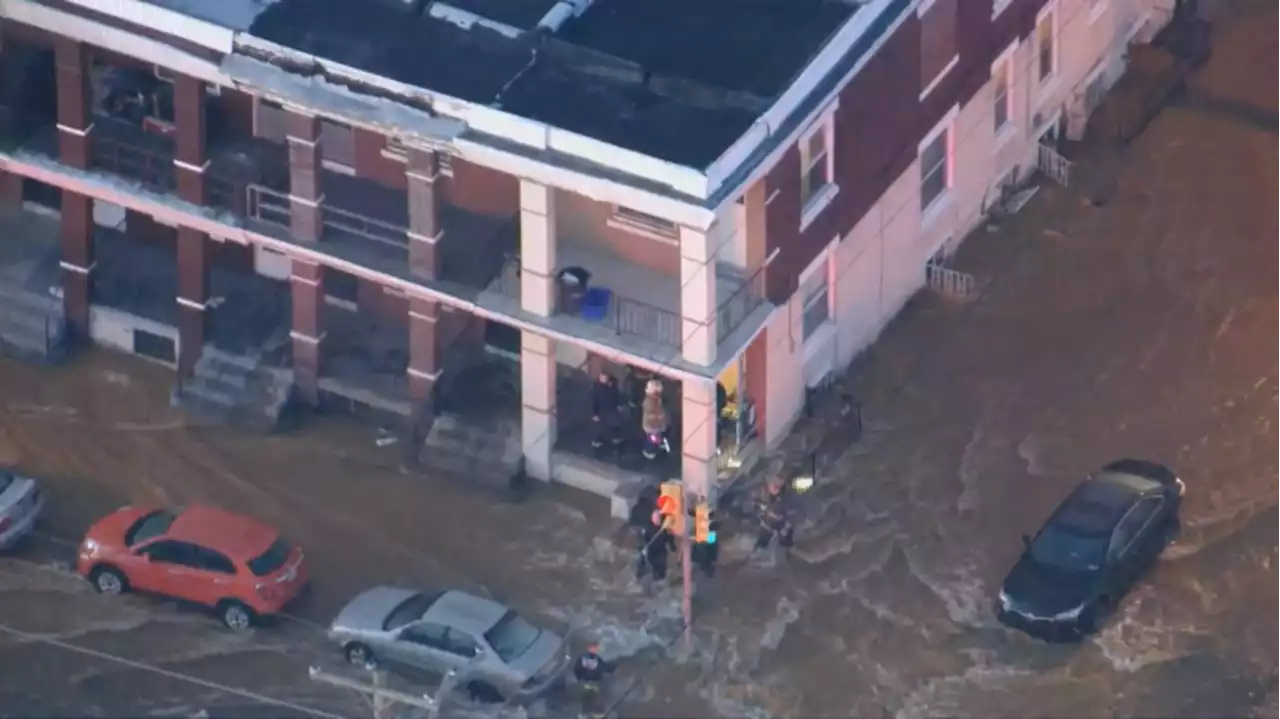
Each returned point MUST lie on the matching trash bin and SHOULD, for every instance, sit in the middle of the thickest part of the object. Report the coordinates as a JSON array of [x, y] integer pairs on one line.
[[571, 286]]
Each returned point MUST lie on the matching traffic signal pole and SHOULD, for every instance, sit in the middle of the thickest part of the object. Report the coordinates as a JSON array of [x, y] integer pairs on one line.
[[686, 569]]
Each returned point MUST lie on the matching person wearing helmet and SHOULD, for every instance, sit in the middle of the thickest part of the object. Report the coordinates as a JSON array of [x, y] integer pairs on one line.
[[590, 671], [773, 517]]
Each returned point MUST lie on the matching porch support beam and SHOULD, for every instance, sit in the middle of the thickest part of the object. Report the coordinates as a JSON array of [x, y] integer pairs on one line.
[[538, 411], [537, 248], [191, 159], [424, 348], [698, 295], [307, 284], [77, 262], [699, 423], [193, 296], [306, 197], [75, 127], [425, 228]]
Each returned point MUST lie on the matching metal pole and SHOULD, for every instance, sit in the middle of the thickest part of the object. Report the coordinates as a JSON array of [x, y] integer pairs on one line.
[[686, 568], [384, 699], [381, 705]]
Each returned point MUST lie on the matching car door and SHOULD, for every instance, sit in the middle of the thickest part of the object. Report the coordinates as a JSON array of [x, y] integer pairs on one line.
[[211, 575], [183, 577], [423, 646], [153, 571], [1125, 555]]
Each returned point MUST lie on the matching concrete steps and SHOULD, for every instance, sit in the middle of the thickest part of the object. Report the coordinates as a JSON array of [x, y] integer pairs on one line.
[[486, 453], [232, 389], [31, 325]]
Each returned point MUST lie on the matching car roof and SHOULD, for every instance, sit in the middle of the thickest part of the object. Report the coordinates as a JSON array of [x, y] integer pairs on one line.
[[467, 613], [239, 537], [1095, 506]]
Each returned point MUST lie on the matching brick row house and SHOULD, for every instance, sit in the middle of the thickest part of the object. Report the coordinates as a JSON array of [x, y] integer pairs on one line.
[[354, 202]]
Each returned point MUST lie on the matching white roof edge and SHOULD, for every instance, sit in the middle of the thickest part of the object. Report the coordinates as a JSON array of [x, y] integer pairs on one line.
[[818, 68], [530, 133], [162, 19], [114, 39]]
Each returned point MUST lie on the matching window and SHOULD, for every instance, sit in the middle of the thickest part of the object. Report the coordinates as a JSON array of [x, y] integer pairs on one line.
[[512, 636], [817, 168], [460, 643], [1062, 548], [270, 122], [395, 150], [625, 218], [1047, 44], [178, 553], [410, 610], [1133, 524], [337, 144], [151, 526], [935, 164], [272, 559], [211, 561], [427, 635], [815, 289], [939, 49], [1002, 82]]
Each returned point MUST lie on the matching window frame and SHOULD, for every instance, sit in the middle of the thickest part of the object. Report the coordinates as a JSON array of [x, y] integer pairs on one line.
[[818, 200], [1005, 62], [821, 265], [1048, 12], [945, 127]]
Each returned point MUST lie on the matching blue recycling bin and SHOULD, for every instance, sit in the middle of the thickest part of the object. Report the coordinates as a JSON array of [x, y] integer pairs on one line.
[[595, 304]]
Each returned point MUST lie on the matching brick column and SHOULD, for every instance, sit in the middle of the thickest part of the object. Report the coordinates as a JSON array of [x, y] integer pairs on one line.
[[698, 421], [75, 127], [698, 295], [306, 198], [537, 353], [11, 186], [307, 283], [193, 295], [74, 133], [424, 348], [77, 262], [193, 246]]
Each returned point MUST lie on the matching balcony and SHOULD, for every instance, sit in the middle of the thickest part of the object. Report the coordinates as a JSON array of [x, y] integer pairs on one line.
[[642, 312]]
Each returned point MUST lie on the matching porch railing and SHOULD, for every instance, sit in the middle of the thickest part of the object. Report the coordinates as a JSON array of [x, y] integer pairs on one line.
[[151, 169], [738, 307], [275, 208], [268, 206]]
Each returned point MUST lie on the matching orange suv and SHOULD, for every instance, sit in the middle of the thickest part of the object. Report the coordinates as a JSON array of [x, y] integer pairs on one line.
[[237, 566]]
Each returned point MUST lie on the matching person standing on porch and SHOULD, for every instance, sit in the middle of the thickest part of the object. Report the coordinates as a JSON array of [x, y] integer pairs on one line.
[[605, 404], [653, 419]]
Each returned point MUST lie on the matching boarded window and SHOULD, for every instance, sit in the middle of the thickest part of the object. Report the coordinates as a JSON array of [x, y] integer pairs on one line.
[[270, 121], [938, 46], [337, 143]]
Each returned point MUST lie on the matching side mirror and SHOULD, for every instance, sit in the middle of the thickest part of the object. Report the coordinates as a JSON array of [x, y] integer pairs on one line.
[[1026, 541]]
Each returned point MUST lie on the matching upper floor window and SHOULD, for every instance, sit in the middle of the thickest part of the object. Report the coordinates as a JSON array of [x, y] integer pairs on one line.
[[625, 218], [270, 122], [936, 171], [337, 144], [939, 49], [1047, 44], [817, 169], [815, 291], [1002, 91]]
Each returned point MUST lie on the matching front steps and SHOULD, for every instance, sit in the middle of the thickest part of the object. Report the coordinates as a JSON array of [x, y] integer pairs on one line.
[[238, 390], [32, 325]]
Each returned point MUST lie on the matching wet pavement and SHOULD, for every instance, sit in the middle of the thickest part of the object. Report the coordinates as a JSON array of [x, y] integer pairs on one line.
[[1143, 327]]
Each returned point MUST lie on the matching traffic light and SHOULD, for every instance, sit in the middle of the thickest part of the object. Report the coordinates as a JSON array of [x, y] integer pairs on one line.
[[703, 531], [671, 506]]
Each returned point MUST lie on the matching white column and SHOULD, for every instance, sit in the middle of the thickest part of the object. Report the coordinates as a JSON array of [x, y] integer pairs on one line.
[[537, 353], [698, 295], [698, 438]]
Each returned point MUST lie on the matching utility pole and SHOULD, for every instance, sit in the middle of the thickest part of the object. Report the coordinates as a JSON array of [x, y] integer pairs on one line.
[[686, 569], [384, 699]]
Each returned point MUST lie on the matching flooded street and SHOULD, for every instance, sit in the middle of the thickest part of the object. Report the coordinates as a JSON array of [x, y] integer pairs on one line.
[[1144, 327]]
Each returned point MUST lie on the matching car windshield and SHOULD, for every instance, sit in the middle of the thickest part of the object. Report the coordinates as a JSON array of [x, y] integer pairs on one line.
[[512, 636], [149, 527], [410, 610], [272, 559], [1057, 547]]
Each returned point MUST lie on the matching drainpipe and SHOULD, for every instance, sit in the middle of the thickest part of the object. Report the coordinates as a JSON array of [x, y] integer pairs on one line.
[[560, 13]]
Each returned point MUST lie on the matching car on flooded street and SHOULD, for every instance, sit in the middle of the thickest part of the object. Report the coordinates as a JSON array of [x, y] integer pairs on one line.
[[497, 654], [1099, 541], [21, 503], [238, 567]]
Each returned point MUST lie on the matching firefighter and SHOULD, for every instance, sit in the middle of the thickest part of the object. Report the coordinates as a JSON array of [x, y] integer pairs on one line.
[[653, 420], [605, 402], [773, 517], [658, 545]]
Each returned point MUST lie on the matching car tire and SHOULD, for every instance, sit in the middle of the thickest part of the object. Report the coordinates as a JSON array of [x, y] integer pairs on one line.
[[1097, 615], [360, 655], [236, 616], [109, 581], [484, 693]]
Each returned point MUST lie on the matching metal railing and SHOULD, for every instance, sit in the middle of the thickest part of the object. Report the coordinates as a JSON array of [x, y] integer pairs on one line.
[[735, 310], [1053, 165], [950, 283], [275, 208], [268, 206], [151, 169]]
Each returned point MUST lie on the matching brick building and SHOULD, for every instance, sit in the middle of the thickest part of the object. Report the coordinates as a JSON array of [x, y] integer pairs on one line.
[[348, 198]]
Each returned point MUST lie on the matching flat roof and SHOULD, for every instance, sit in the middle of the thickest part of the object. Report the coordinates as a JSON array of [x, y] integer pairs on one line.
[[676, 80]]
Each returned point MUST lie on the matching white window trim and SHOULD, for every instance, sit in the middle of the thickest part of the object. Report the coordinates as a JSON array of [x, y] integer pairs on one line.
[[998, 7], [940, 203], [933, 84], [822, 263], [819, 201], [1050, 10], [925, 6], [1010, 127]]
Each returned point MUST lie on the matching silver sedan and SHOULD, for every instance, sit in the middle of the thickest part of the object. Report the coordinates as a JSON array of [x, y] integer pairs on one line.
[[496, 653], [21, 503]]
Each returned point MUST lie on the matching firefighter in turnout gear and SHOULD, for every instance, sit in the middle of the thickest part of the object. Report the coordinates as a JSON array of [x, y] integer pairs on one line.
[[774, 518]]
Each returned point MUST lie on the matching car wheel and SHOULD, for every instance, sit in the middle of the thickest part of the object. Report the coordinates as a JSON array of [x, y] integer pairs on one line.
[[360, 655], [235, 615], [1096, 616], [484, 692], [109, 581]]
